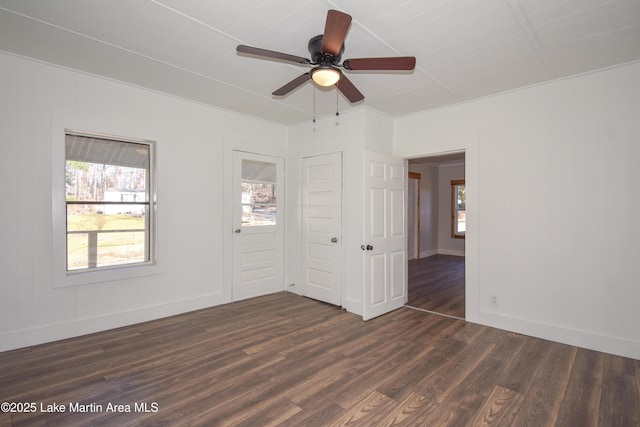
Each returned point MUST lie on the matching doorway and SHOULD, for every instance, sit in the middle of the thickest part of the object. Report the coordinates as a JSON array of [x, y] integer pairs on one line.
[[436, 275]]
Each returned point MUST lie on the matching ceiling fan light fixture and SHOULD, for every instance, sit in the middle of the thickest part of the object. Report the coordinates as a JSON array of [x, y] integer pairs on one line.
[[325, 75]]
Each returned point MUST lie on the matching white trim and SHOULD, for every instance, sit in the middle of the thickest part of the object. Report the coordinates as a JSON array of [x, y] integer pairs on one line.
[[255, 147], [450, 252], [300, 229], [353, 306], [298, 157], [77, 327], [579, 338], [145, 88], [427, 254], [469, 146], [424, 310], [60, 124], [517, 89]]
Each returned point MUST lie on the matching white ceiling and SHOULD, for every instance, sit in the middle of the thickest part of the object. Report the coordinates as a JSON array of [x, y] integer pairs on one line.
[[465, 49]]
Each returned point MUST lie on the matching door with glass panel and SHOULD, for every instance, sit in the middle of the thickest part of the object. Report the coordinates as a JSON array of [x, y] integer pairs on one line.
[[258, 225]]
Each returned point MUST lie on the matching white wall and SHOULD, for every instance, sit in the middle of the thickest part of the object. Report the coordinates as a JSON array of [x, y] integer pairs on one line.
[[551, 206], [551, 209], [36, 99], [447, 245], [357, 130], [435, 212]]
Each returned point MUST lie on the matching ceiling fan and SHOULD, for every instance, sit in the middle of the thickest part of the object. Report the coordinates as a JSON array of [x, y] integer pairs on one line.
[[326, 51]]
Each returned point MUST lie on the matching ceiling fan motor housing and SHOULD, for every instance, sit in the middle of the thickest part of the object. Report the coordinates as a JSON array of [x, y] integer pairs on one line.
[[319, 57]]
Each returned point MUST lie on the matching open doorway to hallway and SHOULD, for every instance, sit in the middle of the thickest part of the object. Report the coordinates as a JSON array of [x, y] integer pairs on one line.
[[436, 234]]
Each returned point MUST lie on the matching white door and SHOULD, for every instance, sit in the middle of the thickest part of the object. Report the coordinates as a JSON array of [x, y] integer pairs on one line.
[[258, 225], [384, 248], [322, 227]]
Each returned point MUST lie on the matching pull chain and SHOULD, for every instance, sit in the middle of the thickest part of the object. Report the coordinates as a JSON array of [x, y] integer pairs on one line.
[[314, 108], [337, 112]]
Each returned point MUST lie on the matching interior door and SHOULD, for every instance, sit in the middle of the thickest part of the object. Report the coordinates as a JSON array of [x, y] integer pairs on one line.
[[322, 227], [258, 225], [384, 249]]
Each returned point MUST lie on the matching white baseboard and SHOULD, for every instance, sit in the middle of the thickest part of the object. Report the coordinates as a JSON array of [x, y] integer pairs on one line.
[[354, 307], [428, 253], [43, 334], [29, 337], [450, 252], [606, 344], [432, 252]]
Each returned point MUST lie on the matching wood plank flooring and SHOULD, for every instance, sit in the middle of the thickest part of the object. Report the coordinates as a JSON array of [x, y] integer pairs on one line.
[[287, 360], [436, 283]]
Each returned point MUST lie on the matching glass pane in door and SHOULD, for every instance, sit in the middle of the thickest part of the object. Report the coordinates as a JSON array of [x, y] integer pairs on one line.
[[259, 193]]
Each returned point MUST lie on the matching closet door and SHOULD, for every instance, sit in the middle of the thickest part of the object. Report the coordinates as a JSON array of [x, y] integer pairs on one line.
[[322, 227]]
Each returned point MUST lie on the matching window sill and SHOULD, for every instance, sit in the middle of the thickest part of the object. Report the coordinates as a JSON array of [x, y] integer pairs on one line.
[[80, 277]]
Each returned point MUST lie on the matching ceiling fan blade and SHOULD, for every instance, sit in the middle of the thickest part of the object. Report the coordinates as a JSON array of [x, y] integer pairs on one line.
[[270, 54], [293, 84], [381, 64], [347, 88], [335, 30]]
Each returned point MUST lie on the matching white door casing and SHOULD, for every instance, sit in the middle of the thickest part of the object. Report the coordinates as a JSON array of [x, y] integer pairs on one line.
[[384, 231], [258, 230], [322, 227]]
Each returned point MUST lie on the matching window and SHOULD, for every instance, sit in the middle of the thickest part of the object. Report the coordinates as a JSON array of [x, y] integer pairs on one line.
[[458, 212], [109, 194], [258, 193]]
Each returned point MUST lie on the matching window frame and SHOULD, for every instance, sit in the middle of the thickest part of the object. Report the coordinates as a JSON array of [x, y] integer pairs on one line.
[[92, 235], [455, 234], [63, 277]]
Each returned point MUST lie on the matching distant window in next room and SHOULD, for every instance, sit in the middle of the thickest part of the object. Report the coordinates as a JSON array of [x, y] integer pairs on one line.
[[458, 212]]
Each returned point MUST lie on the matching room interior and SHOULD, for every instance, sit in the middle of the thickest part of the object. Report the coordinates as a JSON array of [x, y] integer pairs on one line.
[[436, 258], [542, 98]]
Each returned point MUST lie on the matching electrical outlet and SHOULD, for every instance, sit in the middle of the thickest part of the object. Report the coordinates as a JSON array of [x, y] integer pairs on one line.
[[493, 300]]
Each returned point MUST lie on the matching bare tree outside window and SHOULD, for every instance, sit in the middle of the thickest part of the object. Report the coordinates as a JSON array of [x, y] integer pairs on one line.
[[259, 193], [108, 202]]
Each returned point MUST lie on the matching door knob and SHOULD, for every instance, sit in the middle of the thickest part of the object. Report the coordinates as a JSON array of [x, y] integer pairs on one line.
[[334, 240], [369, 247], [238, 230]]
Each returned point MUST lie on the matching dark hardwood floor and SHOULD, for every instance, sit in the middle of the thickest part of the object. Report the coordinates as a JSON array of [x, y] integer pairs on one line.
[[287, 360], [436, 283]]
